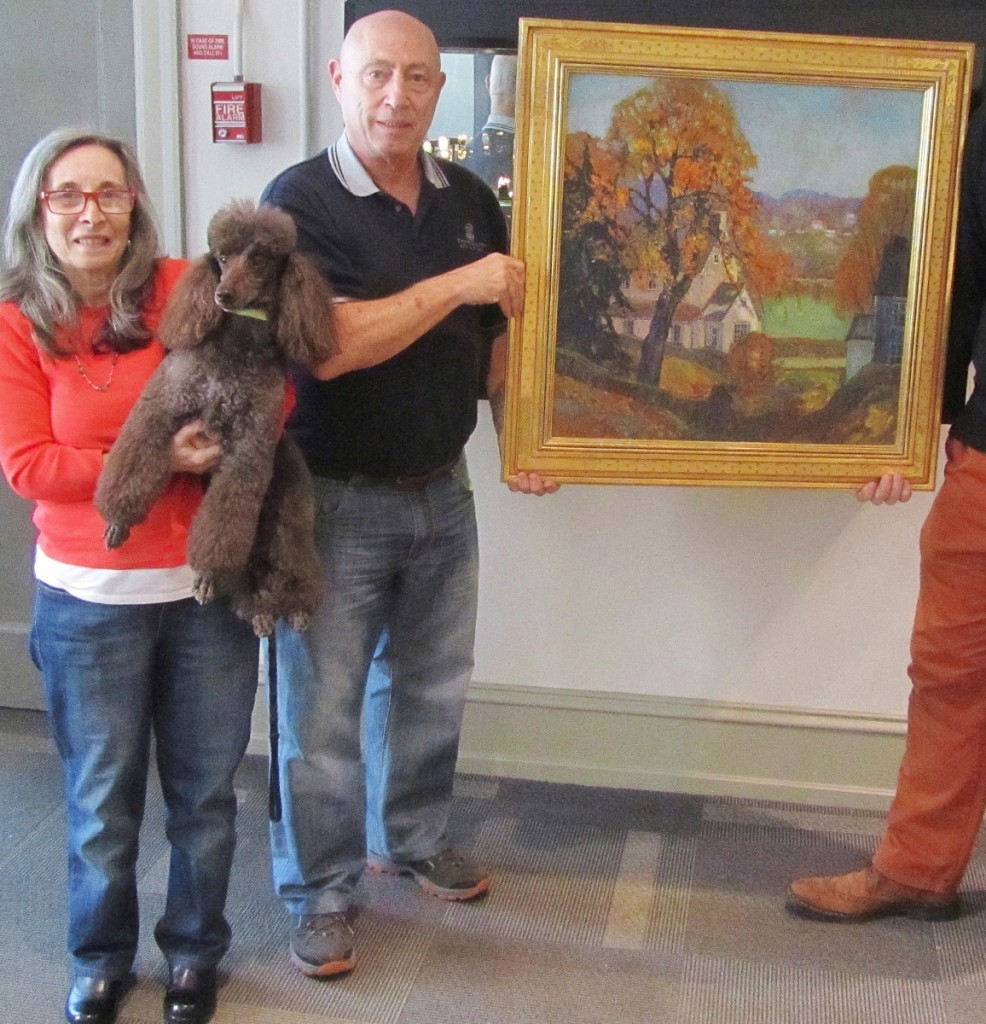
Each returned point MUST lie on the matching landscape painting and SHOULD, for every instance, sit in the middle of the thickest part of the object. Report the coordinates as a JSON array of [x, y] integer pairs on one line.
[[745, 275]]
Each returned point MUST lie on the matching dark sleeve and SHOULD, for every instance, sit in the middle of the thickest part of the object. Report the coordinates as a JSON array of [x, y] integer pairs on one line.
[[493, 317], [969, 281], [493, 320]]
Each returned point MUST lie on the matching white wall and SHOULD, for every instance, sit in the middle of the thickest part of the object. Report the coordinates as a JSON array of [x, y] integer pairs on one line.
[[285, 47], [455, 106], [792, 598]]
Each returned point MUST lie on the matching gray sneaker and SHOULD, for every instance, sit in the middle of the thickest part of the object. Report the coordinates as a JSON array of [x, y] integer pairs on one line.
[[448, 875], [323, 944]]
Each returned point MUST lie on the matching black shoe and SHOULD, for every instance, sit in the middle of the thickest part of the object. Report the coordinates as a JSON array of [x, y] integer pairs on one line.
[[191, 995], [93, 1001]]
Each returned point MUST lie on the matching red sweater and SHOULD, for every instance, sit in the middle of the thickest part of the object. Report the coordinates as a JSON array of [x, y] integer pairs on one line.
[[55, 429]]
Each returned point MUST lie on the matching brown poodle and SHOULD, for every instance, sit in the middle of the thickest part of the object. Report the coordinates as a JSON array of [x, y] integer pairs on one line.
[[235, 319]]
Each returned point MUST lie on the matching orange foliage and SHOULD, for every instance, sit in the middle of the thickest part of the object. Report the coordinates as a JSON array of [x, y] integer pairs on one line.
[[608, 198], [683, 160], [749, 361], [886, 212]]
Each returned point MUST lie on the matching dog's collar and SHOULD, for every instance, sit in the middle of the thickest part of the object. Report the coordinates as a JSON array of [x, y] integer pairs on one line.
[[253, 314]]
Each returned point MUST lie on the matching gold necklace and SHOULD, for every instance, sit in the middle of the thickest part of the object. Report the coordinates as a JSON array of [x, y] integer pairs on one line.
[[89, 380]]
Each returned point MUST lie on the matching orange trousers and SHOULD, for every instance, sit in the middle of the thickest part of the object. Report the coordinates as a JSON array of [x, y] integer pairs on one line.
[[941, 789]]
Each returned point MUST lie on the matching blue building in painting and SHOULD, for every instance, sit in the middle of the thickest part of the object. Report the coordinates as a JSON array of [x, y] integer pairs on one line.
[[890, 301], [878, 337]]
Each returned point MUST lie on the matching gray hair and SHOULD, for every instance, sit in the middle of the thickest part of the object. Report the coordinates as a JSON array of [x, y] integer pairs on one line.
[[30, 274]]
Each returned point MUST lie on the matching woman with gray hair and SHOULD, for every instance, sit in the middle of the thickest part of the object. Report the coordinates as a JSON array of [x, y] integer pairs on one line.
[[124, 650]]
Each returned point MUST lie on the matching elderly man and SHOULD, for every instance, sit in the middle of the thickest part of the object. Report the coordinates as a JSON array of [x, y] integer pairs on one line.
[[373, 692]]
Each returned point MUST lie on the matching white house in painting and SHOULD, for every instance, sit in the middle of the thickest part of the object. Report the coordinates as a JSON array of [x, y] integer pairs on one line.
[[715, 313]]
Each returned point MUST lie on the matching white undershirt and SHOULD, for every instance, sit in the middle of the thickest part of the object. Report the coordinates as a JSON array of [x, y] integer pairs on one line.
[[115, 586]]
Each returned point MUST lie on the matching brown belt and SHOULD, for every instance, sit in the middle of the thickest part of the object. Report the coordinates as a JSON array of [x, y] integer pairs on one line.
[[409, 482]]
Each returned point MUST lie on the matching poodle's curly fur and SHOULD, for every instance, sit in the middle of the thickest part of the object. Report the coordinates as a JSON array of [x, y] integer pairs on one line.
[[252, 538]]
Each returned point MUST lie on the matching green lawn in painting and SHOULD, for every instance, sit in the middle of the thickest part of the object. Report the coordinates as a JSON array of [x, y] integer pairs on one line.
[[796, 316]]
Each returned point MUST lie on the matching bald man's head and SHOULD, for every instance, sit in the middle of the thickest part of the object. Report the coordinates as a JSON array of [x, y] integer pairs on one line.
[[387, 80]]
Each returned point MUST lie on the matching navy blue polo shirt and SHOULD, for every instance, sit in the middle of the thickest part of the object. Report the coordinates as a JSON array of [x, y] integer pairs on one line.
[[414, 412]]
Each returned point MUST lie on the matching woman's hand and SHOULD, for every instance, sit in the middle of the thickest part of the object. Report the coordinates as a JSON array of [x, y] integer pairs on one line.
[[194, 450]]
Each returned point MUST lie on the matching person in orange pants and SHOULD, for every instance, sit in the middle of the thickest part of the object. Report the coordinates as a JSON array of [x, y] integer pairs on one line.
[[941, 789]]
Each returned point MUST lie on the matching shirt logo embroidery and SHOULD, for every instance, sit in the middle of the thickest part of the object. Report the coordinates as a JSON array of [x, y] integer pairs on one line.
[[468, 242]]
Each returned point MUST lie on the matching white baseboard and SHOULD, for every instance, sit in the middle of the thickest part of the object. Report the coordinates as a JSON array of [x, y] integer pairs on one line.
[[682, 746], [674, 745]]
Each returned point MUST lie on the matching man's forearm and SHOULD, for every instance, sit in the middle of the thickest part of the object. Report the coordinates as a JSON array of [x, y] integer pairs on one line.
[[496, 382], [496, 408], [373, 331]]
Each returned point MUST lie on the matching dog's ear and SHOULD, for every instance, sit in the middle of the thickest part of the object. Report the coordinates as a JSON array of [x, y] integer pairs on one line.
[[191, 311], [304, 318]]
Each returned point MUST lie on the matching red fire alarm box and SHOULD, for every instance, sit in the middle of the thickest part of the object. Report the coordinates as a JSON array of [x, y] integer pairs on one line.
[[236, 112]]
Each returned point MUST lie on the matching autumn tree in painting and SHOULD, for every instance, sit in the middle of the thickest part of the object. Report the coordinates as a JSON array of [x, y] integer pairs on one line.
[[592, 272], [886, 213], [749, 365], [684, 162]]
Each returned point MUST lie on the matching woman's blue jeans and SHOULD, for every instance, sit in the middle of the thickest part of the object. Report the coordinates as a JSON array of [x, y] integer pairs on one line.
[[114, 675], [371, 695]]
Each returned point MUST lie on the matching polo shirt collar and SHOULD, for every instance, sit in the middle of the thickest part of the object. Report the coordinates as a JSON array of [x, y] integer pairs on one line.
[[353, 175], [500, 121]]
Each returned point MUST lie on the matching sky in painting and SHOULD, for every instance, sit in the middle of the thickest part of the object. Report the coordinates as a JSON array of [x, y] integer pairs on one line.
[[821, 138]]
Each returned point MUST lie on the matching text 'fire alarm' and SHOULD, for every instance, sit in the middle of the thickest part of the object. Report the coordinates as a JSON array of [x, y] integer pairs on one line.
[[236, 112]]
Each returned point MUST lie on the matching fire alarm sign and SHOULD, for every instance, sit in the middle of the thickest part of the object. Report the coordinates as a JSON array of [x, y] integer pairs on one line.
[[236, 112]]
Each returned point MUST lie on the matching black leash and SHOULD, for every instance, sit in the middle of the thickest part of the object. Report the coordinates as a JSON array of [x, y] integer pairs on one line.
[[274, 784]]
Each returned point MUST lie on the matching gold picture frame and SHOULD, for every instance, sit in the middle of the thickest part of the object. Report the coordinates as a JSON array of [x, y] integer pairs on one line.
[[727, 204]]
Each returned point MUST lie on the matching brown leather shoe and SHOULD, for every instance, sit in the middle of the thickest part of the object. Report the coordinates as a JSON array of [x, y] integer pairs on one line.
[[864, 895]]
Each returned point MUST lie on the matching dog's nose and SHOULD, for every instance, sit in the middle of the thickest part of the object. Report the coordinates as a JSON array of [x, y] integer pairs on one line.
[[223, 295]]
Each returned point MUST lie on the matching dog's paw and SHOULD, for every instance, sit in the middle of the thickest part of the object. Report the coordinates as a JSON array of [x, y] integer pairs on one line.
[[115, 534], [263, 624], [203, 589], [300, 621]]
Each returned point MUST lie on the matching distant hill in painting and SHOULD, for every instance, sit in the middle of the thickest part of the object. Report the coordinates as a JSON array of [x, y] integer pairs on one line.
[[803, 210]]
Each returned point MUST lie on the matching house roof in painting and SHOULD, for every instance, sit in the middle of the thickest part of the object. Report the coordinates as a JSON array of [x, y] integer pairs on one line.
[[722, 299], [894, 268], [687, 313], [861, 328], [635, 307]]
